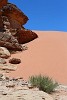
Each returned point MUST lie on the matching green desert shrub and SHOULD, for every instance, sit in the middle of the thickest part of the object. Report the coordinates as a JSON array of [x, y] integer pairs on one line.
[[44, 83]]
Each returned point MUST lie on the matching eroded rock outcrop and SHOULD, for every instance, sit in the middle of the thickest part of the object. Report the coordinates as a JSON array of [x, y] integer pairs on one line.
[[10, 42], [15, 16], [12, 31], [25, 36]]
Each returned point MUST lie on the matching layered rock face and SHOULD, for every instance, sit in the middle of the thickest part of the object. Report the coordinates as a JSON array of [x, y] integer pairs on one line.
[[15, 16], [12, 32], [24, 36], [3, 3]]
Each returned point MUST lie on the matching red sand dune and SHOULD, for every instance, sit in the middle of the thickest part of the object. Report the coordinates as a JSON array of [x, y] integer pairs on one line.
[[47, 55]]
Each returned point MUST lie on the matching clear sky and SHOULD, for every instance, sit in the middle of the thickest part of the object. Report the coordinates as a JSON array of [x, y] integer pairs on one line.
[[44, 14]]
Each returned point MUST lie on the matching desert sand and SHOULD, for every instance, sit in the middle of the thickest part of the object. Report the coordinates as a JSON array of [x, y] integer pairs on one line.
[[46, 55]]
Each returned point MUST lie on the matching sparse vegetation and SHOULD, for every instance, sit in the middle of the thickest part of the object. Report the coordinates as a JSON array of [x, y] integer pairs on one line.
[[44, 83]]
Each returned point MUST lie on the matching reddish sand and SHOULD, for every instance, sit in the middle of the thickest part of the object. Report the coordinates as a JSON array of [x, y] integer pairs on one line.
[[46, 55]]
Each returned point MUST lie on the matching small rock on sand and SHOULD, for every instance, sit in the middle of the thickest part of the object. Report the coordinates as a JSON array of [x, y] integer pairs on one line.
[[14, 61]]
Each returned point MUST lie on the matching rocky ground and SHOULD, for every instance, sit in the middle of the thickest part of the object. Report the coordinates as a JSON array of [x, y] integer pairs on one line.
[[60, 93], [18, 89]]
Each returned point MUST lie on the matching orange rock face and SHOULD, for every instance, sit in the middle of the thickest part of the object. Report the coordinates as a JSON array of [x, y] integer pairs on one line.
[[14, 15], [25, 36], [3, 3]]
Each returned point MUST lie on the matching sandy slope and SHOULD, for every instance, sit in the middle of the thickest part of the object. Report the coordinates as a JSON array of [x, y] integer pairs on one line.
[[46, 55]]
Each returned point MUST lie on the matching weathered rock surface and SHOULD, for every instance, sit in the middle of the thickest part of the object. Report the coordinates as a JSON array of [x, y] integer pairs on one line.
[[15, 16], [25, 36], [8, 41], [4, 53], [8, 67], [14, 61], [2, 61], [60, 93], [3, 3], [17, 89], [13, 89]]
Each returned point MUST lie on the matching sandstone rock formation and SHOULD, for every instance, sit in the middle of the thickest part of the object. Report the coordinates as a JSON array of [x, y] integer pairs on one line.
[[12, 34], [11, 20], [15, 16], [24, 36], [12, 31]]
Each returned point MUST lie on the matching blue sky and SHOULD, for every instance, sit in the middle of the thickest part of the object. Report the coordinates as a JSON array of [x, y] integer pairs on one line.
[[44, 14]]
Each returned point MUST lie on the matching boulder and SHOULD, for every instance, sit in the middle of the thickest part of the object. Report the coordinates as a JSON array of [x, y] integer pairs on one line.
[[25, 36], [10, 42], [4, 53], [15, 16], [14, 61]]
